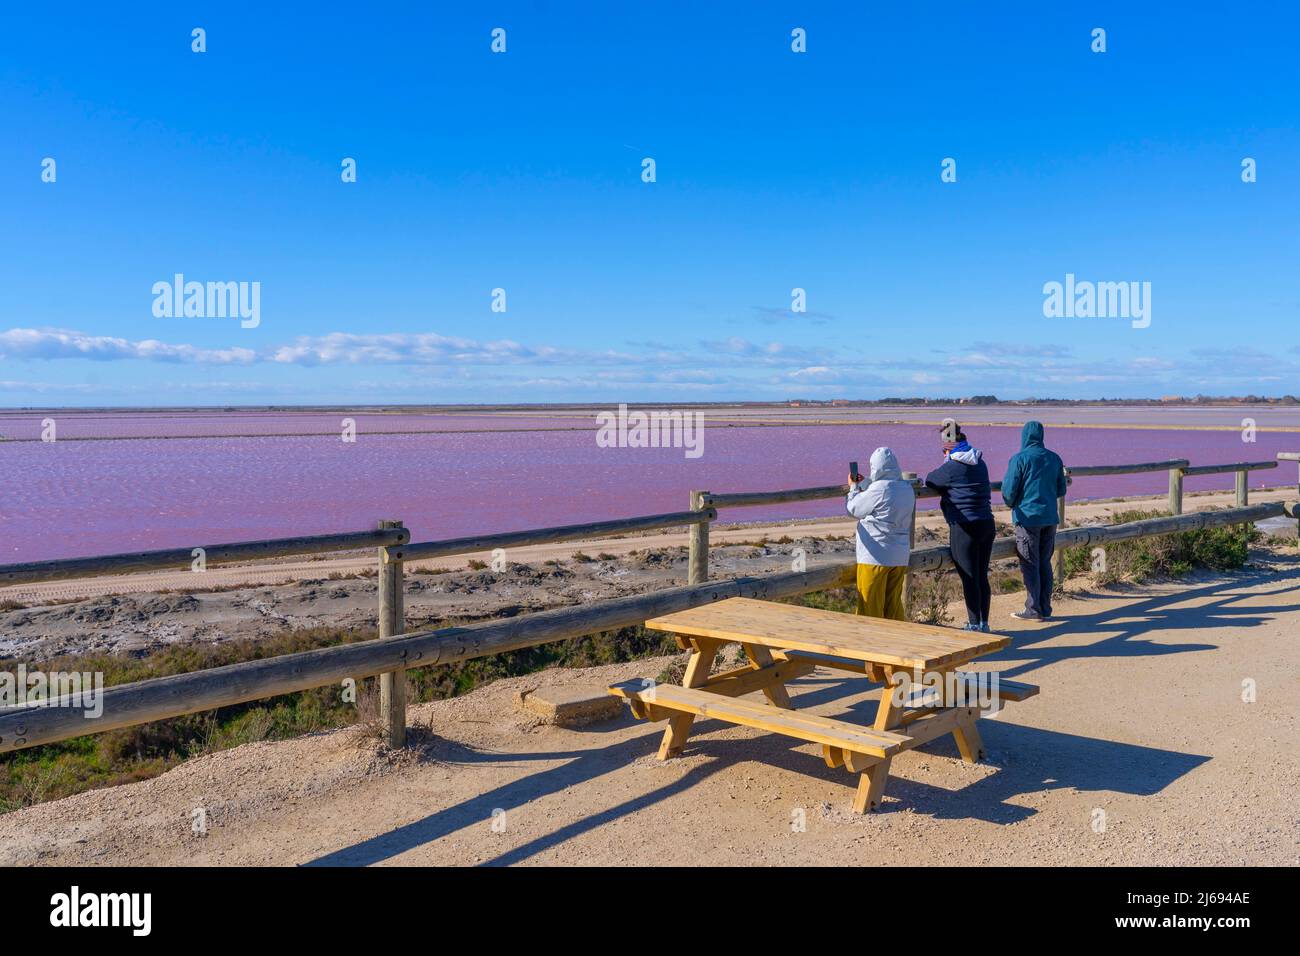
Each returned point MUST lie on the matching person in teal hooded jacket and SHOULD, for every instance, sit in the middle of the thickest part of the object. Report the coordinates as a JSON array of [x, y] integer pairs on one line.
[[1035, 479]]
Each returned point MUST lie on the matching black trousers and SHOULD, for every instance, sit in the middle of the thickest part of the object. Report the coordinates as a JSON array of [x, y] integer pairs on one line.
[[971, 543]]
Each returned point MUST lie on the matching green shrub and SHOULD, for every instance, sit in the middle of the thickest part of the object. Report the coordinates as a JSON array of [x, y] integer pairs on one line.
[[1223, 548]]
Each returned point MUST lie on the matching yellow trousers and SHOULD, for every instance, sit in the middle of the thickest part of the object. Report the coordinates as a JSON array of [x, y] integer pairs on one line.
[[880, 591]]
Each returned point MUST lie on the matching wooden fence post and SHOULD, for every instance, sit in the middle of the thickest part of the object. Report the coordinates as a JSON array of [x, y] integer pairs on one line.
[[911, 542], [1291, 456], [1243, 488], [698, 563], [1058, 556], [392, 621], [1175, 491]]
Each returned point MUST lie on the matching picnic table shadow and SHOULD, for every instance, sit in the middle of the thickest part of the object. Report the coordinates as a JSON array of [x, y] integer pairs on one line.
[[1028, 760]]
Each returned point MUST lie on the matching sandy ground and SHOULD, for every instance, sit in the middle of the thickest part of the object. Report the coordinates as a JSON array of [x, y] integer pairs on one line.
[[1141, 721], [145, 612]]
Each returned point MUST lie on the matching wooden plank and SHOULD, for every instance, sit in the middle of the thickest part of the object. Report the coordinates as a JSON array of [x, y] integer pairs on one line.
[[791, 723], [672, 695], [573, 532], [933, 726], [824, 660], [775, 693], [1225, 469], [746, 680], [1007, 689], [1085, 470], [181, 559], [788, 627], [745, 619]]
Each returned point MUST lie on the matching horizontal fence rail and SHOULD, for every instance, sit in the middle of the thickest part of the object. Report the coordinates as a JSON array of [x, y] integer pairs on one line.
[[181, 559], [1088, 470], [1225, 469], [935, 559], [127, 705], [745, 499], [573, 532]]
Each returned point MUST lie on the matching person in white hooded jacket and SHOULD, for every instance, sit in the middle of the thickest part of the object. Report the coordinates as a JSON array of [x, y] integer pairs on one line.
[[884, 512]]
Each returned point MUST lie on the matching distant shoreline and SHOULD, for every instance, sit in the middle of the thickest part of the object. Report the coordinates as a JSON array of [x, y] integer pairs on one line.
[[1286, 401], [859, 423]]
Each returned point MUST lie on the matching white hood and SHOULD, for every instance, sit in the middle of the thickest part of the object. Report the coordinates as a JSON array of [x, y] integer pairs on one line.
[[884, 512], [884, 466]]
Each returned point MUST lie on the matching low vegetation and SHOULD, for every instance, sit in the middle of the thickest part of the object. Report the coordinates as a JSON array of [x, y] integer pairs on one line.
[[1172, 555]]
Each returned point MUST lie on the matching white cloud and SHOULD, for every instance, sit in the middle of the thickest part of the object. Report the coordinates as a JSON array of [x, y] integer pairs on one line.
[[65, 343]]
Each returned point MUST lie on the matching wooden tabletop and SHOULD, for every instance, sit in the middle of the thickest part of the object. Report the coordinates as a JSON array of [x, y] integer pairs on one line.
[[870, 639]]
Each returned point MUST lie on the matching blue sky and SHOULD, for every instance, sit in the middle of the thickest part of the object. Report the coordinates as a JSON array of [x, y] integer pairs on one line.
[[775, 170]]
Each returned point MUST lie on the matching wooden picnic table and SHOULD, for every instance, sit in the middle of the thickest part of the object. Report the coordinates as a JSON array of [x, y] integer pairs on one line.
[[783, 642]]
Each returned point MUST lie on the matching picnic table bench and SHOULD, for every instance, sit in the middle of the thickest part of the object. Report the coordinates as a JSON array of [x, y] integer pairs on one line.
[[783, 642]]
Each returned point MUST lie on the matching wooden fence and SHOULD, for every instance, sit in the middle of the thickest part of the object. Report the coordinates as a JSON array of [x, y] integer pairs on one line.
[[394, 651]]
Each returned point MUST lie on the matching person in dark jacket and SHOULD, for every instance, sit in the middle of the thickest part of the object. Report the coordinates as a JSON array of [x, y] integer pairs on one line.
[[964, 495], [1035, 479]]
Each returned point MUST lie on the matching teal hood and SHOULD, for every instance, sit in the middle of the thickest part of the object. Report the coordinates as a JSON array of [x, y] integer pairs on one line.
[[1034, 480]]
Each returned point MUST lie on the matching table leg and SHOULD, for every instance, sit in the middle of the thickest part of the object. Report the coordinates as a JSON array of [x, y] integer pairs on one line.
[[697, 672], [776, 694], [889, 714], [871, 787], [966, 734], [968, 741], [871, 782]]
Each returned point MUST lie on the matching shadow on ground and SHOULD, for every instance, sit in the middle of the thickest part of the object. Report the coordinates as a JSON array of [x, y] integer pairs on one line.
[[1028, 760]]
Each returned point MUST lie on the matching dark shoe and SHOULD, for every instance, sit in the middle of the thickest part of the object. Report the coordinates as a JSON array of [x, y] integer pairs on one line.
[[1026, 616]]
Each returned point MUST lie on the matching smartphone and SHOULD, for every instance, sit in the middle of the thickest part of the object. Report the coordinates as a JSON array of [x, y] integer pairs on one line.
[[853, 469]]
